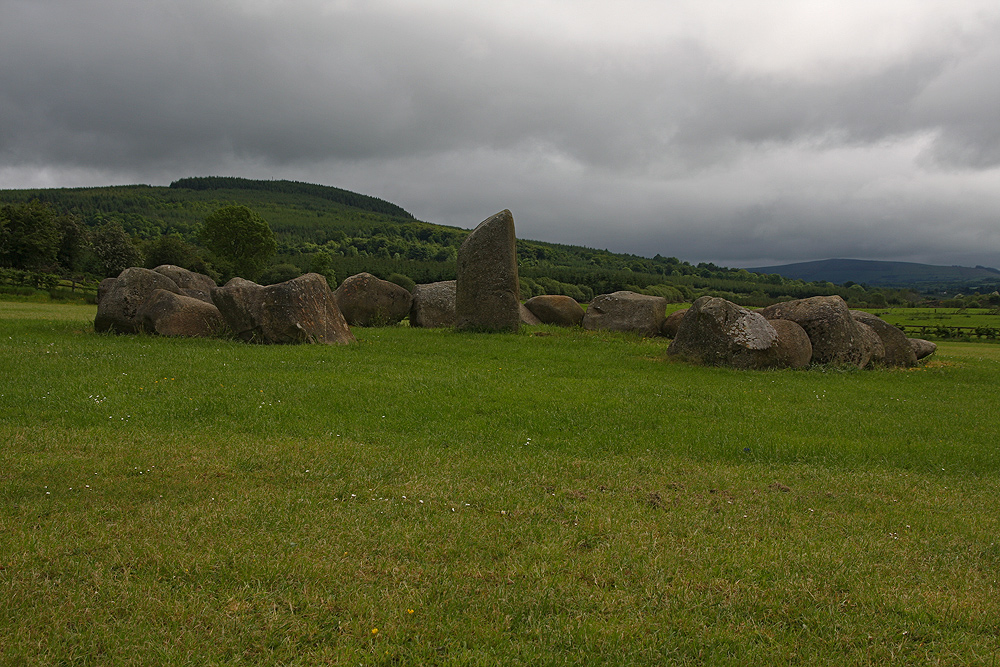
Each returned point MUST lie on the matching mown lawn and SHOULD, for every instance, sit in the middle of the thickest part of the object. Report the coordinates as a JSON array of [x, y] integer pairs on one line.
[[428, 497]]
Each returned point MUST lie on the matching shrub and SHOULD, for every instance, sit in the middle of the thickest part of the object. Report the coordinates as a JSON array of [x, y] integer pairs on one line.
[[174, 250], [279, 273], [322, 263], [668, 292], [402, 280]]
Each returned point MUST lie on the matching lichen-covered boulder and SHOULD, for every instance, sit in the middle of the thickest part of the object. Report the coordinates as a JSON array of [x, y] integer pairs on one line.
[[556, 309], [192, 284], [922, 348], [104, 287], [239, 302], [118, 305], [433, 305], [367, 301], [302, 310], [793, 348], [717, 332], [528, 317], [486, 296], [170, 314], [872, 345], [672, 323], [835, 336], [897, 349], [626, 311]]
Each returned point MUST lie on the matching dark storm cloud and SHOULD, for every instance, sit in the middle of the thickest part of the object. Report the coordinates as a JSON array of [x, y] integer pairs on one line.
[[99, 82], [608, 131]]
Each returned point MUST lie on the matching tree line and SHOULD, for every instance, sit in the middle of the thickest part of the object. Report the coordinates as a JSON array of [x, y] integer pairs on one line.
[[94, 233], [34, 237]]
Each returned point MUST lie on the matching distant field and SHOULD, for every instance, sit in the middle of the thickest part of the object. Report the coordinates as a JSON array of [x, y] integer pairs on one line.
[[27, 310], [983, 323], [429, 497], [964, 317]]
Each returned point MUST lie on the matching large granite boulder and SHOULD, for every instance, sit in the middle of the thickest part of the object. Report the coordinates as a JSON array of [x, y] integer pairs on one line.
[[556, 309], [367, 301], [104, 287], [302, 310], [793, 348], [486, 296], [119, 302], [897, 349], [672, 323], [626, 311], [192, 284], [922, 348], [433, 305], [717, 332], [239, 302], [527, 317], [835, 336], [872, 345], [171, 314]]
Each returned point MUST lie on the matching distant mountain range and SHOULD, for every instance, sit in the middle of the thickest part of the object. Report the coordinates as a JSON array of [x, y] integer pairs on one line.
[[882, 274]]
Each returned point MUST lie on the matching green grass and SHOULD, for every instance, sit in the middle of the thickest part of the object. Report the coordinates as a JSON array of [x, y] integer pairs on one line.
[[947, 317], [553, 497]]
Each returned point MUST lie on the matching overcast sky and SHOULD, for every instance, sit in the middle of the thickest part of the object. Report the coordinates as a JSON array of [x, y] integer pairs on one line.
[[741, 132]]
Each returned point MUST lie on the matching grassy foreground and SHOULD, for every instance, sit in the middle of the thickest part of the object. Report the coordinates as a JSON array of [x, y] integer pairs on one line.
[[428, 497]]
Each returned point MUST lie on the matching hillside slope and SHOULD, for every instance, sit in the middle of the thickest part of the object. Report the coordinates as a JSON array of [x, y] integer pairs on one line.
[[341, 233], [887, 274]]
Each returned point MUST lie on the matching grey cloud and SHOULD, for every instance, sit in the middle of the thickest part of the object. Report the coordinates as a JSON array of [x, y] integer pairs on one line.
[[665, 147], [964, 102], [160, 81]]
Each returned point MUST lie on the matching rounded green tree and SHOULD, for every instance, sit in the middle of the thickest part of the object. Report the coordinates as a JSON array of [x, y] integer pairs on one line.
[[114, 249], [240, 236]]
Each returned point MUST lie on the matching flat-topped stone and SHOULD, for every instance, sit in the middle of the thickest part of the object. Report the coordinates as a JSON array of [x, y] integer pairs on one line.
[[626, 311], [556, 309]]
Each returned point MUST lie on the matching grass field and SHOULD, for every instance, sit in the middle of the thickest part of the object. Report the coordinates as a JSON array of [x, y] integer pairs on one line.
[[948, 317], [429, 497]]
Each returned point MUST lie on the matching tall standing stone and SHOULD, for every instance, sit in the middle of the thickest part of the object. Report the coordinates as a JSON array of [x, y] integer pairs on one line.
[[486, 296]]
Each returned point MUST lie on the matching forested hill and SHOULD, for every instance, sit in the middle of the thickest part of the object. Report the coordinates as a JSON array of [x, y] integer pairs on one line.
[[345, 197], [340, 233]]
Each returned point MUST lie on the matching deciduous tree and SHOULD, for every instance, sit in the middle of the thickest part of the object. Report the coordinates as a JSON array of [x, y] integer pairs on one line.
[[239, 235], [29, 236], [114, 249]]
